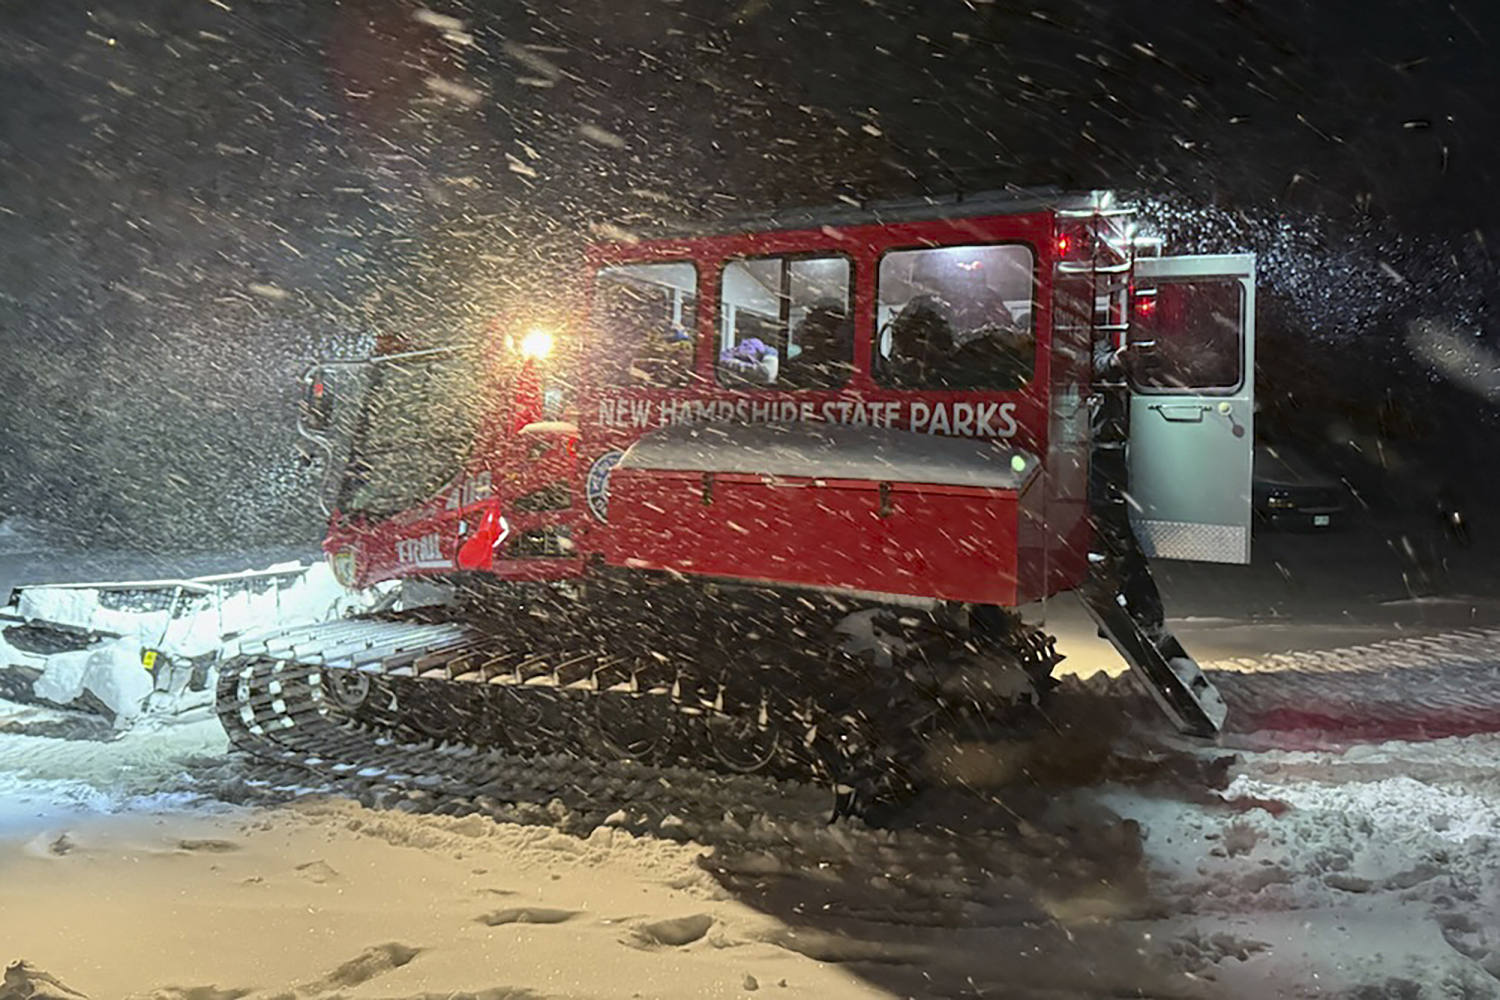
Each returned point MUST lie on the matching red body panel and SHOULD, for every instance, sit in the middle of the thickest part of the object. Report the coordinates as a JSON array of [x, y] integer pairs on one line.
[[823, 533], [952, 542]]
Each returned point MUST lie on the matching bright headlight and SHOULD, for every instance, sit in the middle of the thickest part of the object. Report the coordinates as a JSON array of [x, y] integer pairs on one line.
[[537, 344]]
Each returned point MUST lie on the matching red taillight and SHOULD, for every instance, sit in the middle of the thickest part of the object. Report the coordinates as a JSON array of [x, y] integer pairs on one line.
[[1063, 245], [1145, 305], [317, 388]]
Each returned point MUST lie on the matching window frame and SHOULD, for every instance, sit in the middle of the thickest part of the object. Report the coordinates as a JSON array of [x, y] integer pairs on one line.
[[788, 258], [598, 343], [1239, 342], [876, 361]]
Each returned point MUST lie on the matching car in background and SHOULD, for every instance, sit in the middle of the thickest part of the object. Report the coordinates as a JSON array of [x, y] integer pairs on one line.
[[1291, 493]]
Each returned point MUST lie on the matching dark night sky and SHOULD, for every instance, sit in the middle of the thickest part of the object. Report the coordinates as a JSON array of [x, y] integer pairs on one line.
[[194, 195]]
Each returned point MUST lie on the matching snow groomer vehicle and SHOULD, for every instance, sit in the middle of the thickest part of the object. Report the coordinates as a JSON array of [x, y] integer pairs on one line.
[[772, 495]]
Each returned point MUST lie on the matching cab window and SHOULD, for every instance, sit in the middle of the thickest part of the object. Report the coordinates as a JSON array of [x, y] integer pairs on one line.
[[786, 322], [397, 461], [644, 318], [956, 318], [1188, 335]]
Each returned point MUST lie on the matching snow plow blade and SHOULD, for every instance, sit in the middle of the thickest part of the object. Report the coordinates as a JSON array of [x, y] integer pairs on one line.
[[147, 646], [1173, 677]]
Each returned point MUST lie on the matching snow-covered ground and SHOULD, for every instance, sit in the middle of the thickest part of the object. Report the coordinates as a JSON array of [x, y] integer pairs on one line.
[[1369, 872], [57, 767], [140, 862], [1374, 872]]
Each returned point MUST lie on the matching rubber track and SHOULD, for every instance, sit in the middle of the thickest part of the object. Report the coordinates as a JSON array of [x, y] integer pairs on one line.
[[272, 703], [275, 710]]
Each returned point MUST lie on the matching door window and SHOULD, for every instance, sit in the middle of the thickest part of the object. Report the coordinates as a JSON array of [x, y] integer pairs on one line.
[[414, 433], [1188, 336]]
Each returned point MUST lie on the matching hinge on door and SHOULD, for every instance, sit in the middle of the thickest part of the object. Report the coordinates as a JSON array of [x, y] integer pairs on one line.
[[886, 509], [708, 489]]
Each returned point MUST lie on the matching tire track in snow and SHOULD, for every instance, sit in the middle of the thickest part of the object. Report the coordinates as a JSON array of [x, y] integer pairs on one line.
[[1421, 687]]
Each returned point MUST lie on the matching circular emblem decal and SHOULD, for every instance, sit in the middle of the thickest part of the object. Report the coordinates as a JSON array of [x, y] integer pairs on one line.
[[596, 487], [344, 564]]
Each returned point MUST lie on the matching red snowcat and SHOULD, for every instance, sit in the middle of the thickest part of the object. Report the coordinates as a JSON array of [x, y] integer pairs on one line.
[[773, 497]]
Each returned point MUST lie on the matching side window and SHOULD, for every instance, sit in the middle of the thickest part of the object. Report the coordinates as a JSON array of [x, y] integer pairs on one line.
[[1187, 335], [956, 318], [644, 321], [786, 322]]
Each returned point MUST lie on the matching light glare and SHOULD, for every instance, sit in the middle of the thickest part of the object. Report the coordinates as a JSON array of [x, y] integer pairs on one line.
[[536, 344]]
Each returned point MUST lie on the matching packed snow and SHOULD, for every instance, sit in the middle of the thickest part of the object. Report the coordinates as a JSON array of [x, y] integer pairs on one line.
[[1361, 870], [1367, 873]]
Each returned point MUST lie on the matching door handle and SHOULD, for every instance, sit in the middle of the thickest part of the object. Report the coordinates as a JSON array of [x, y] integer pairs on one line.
[[1182, 413]]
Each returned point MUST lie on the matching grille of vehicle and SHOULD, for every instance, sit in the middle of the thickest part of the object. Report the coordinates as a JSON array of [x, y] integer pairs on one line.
[[542, 543]]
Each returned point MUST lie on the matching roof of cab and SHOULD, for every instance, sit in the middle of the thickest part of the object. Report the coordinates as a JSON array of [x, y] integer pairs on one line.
[[959, 205]]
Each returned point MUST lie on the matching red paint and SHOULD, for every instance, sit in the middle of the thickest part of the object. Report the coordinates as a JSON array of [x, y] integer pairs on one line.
[[957, 543], [527, 408], [477, 551]]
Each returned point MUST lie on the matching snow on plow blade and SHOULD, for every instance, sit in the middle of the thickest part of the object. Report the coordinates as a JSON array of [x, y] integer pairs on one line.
[[1175, 680], [128, 646]]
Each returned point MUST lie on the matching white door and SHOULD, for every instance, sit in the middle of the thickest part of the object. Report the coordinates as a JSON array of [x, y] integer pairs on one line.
[[1191, 358]]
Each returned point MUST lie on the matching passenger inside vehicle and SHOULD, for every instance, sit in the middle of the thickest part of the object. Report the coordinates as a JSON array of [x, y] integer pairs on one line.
[[663, 358], [785, 322], [952, 324], [989, 345], [921, 342], [751, 362], [825, 336], [644, 313]]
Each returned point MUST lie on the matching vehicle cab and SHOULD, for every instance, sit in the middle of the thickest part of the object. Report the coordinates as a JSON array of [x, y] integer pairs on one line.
[[892, 402], [891, 406]]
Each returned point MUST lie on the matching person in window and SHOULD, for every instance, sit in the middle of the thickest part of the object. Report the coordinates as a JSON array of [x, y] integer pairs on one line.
[[751, 361], [993, 352], [664, 357], [979, 311], [826, 336], [921, 342]]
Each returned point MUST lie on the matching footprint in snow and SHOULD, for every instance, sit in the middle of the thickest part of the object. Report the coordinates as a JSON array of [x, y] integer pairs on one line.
[[208, 846], [23, 981], [674, 933], [526, 915], [367, 965], [318, 872]]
